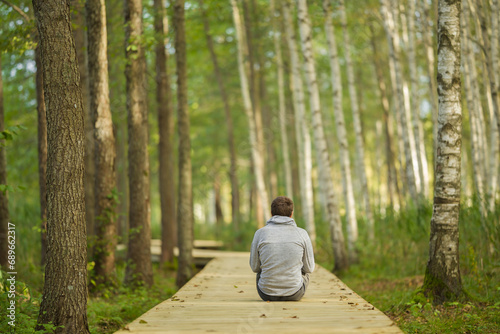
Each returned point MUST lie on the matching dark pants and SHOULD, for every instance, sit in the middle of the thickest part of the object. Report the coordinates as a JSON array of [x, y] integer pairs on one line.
[[295, 297]]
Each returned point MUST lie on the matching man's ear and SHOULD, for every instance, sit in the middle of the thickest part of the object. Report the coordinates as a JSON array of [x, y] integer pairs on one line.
[[291, 215]]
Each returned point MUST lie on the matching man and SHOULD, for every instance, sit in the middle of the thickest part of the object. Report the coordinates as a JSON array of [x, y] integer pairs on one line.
[[282, 255]]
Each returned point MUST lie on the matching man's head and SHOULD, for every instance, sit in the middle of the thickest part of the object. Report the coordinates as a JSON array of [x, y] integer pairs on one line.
[[282, 206]]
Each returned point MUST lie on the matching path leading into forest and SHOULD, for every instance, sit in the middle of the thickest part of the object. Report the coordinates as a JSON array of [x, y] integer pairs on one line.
[[222, 298]]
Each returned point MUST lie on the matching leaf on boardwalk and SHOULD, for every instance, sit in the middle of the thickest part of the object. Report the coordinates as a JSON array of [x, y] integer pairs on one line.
[[241, 291], [236, 287], [263, 315], [143, 321]]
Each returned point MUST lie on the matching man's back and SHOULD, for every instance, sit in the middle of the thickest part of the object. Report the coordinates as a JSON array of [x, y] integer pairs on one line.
[[280, 252]]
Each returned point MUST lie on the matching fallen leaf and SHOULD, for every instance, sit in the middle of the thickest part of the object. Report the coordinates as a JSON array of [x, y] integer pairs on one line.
[[143, 321], [263, 315], [241, 291]]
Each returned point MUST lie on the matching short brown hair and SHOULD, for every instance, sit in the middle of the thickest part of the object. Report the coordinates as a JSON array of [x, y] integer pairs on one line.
[[282, 206]]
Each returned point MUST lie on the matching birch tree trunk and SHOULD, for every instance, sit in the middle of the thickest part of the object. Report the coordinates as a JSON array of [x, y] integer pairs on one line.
[[256, 154], [418, 130], [358, 131], [185, 198], [64, 301], [139, 269], [397, 84], [325, 176], [166, 132], [345, 161], [105, 148], [4, 200], [282, 107], [442, 278], [235, 192], [494, 130], [302, 135]]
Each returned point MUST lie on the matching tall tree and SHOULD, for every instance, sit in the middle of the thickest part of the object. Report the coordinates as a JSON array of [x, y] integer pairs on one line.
[[185, 197], [495, 131], [302, 135], [325, 176], [139, 269], [358, 131], [256, 153], [79, 34], [442, 277], [166, 131], [235, 192], [4, 200], [345, 160], [105, 148], [64, 301], [282, 105]]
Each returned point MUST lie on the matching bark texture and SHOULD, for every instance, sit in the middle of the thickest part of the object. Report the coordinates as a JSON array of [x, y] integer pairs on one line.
[[345, 160], [105, 147], [64, 301], [325, 176], [235, 192], [185, 203], [166, 131], [302, 135], [256, 153], [4, 200], [139, 270], [442, 278]]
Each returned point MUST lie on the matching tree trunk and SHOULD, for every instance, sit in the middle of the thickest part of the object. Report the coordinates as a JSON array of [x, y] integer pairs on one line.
[[345, 161], [185, 204], [282, 105], [418, 130], [256, 153], [235, 192], [105, 148], [166, 131], [64, 301], [79, 28], [42, 152], [429, 53], [302, 135], [442, 278], [4, 200], [494, 131], [397, 84], [358, 131], [325, 176], [139, 269]]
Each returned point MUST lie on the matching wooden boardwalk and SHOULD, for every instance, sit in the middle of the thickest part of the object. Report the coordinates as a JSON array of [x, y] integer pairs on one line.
[[222, 298]]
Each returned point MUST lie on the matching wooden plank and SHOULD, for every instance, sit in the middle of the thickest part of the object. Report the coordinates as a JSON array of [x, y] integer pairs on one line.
[[222, 298]]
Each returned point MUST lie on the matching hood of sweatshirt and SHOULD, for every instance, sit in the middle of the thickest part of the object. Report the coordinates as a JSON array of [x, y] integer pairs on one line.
[[281, 220]]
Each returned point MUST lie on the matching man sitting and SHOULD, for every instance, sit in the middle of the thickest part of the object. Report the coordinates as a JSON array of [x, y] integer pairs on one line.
[[281, 255]]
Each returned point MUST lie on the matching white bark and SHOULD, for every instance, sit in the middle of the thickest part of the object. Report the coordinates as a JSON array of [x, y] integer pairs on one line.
[[256, 154], [325, 176], [302, 134], [494, 132], [282, 107], [360, 149], [442, 277]]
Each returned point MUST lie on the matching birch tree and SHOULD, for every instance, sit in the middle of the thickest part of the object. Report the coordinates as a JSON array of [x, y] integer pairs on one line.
[[282, 107], [442, 277], [139, 270], [324, 169], [495, 119], [105, 148], [185, 195], [358, 131], [256, 153], [345, 161], [64, 300], [166, 132], [302, 135], [4, 200]]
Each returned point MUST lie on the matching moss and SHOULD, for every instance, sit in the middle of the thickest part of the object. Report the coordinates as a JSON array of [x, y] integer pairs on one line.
[[437, 291]]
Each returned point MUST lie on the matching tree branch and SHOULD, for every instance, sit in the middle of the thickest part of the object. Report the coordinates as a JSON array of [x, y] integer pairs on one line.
[[17, 9]]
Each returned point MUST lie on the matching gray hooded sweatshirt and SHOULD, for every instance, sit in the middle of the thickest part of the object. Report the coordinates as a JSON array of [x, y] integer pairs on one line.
[[280, 252]]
